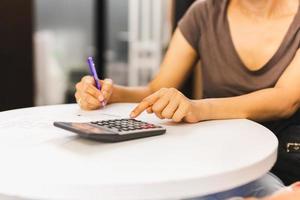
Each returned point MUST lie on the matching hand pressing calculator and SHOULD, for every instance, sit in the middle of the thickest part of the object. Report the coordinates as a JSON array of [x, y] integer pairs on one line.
[[116, 130]]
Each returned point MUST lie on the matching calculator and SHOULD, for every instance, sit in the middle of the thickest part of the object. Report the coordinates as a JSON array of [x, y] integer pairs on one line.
[[116, 130]]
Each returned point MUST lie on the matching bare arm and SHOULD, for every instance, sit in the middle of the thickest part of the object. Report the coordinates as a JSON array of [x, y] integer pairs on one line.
[[177, 63], [279, 102]]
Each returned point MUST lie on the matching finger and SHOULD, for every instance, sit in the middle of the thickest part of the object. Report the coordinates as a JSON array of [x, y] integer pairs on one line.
[[88, 80], [78, 86], [147, 102], [170, 109], [85, 86], [149, 110], [160, 104], [180, 112], [90, 102], [83, 103], [86, 106], [159, 116], [107, 87], [78, 99], [88, 88], [93, 91]]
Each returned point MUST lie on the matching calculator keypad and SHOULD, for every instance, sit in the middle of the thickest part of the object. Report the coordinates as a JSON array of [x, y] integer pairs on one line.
[[126, 126]]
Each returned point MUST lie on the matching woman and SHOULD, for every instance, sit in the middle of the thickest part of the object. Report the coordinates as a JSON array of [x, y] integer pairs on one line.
[[250, 66]]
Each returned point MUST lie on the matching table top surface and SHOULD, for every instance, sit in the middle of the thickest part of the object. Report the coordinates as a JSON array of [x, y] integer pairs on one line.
[[40, 161]]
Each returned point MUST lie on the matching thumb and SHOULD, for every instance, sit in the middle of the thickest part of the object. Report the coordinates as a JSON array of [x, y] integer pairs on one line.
[[107, 88]]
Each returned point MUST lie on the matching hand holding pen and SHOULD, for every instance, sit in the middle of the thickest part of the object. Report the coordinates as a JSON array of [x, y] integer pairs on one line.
[[93, 93]]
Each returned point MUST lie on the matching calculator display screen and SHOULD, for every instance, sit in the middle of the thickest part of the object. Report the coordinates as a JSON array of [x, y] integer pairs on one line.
[[88, 128]]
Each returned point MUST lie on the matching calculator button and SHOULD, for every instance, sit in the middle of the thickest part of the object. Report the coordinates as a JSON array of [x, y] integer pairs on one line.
[[125, 126]]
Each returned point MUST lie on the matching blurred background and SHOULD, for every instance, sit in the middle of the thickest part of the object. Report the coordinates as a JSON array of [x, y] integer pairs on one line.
[[44, 45]]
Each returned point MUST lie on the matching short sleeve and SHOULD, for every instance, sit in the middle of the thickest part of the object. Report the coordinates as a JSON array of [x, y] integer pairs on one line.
[[189, 25]]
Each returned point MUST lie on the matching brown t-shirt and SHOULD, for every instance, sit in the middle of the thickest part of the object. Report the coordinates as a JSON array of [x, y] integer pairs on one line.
[[206, 28]]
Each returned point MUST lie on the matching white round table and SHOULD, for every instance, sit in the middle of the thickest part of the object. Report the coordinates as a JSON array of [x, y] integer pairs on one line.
[[40, 161]]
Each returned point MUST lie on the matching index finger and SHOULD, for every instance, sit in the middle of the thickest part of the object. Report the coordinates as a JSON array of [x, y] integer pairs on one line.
[[146, 103]]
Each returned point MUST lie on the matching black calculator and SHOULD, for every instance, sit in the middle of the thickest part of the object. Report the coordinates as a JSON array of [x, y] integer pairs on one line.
[[116, 130]]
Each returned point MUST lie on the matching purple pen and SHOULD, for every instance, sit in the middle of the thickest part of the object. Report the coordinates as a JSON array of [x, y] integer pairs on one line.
[[93, 72]]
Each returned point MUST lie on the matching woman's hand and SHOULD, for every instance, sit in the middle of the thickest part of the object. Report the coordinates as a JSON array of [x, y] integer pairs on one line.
[[169, 104], [89, 97]]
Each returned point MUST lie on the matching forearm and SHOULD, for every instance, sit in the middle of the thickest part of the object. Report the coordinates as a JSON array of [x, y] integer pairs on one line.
[[263, 105], [129, 94], [177, 63]]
